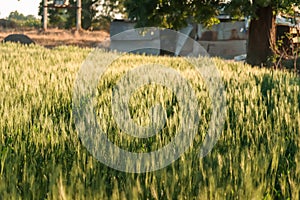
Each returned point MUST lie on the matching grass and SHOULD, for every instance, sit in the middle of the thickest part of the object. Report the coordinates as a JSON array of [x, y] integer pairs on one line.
[[41, 155]]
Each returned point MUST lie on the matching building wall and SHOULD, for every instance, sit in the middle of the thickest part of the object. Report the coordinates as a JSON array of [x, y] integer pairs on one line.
[[224, 31], [124, 38], [225, 40]]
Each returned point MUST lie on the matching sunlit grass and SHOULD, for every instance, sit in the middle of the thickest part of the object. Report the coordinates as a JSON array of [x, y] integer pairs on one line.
[[41, 156]]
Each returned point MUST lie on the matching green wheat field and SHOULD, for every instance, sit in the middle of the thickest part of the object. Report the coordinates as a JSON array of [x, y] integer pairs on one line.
[[41, 155]]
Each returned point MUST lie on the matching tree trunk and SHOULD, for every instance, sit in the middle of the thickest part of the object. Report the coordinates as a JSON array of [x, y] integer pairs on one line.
[[262, 37]]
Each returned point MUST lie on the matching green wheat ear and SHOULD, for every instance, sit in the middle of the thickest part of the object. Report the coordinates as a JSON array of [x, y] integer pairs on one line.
[[42, 157]]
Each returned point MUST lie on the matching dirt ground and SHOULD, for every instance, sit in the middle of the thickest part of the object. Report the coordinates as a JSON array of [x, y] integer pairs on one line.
[[57, 37]]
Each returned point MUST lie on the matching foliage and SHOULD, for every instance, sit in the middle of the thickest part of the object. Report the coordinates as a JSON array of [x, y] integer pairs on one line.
[[57, 17], [171, 14], [41, 156], [66, 18], [176, 14], [89, 12], [287, 52], [110, 9], [15, 15], [23, 21], [249, 8]]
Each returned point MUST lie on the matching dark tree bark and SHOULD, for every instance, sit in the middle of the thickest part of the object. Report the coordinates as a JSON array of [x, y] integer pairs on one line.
[[262, 37]]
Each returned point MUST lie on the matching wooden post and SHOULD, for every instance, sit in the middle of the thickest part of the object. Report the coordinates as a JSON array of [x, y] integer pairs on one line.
[[78, 20], [45, 15]]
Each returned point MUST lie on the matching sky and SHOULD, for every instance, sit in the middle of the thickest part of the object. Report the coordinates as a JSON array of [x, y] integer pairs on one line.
[[26, 7]]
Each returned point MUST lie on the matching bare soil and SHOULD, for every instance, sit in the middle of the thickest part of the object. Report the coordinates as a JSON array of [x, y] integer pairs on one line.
[[57, 37]]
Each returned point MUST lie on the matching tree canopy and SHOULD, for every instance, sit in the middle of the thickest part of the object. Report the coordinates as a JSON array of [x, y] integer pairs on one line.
[[22, 20], [171, 14], [176, 14]]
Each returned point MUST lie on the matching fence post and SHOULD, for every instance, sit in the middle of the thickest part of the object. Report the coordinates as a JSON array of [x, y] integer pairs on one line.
[[78, 20], [45, 15]]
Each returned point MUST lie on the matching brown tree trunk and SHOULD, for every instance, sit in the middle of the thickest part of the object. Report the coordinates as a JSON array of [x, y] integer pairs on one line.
[[262, 37]]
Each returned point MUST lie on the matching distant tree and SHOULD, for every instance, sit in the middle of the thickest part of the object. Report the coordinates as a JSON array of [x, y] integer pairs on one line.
[[89, 12], [16, 16], [66, 18], [57, 17], [108, 11], [111, 9], [21, 20], [41, 11]]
